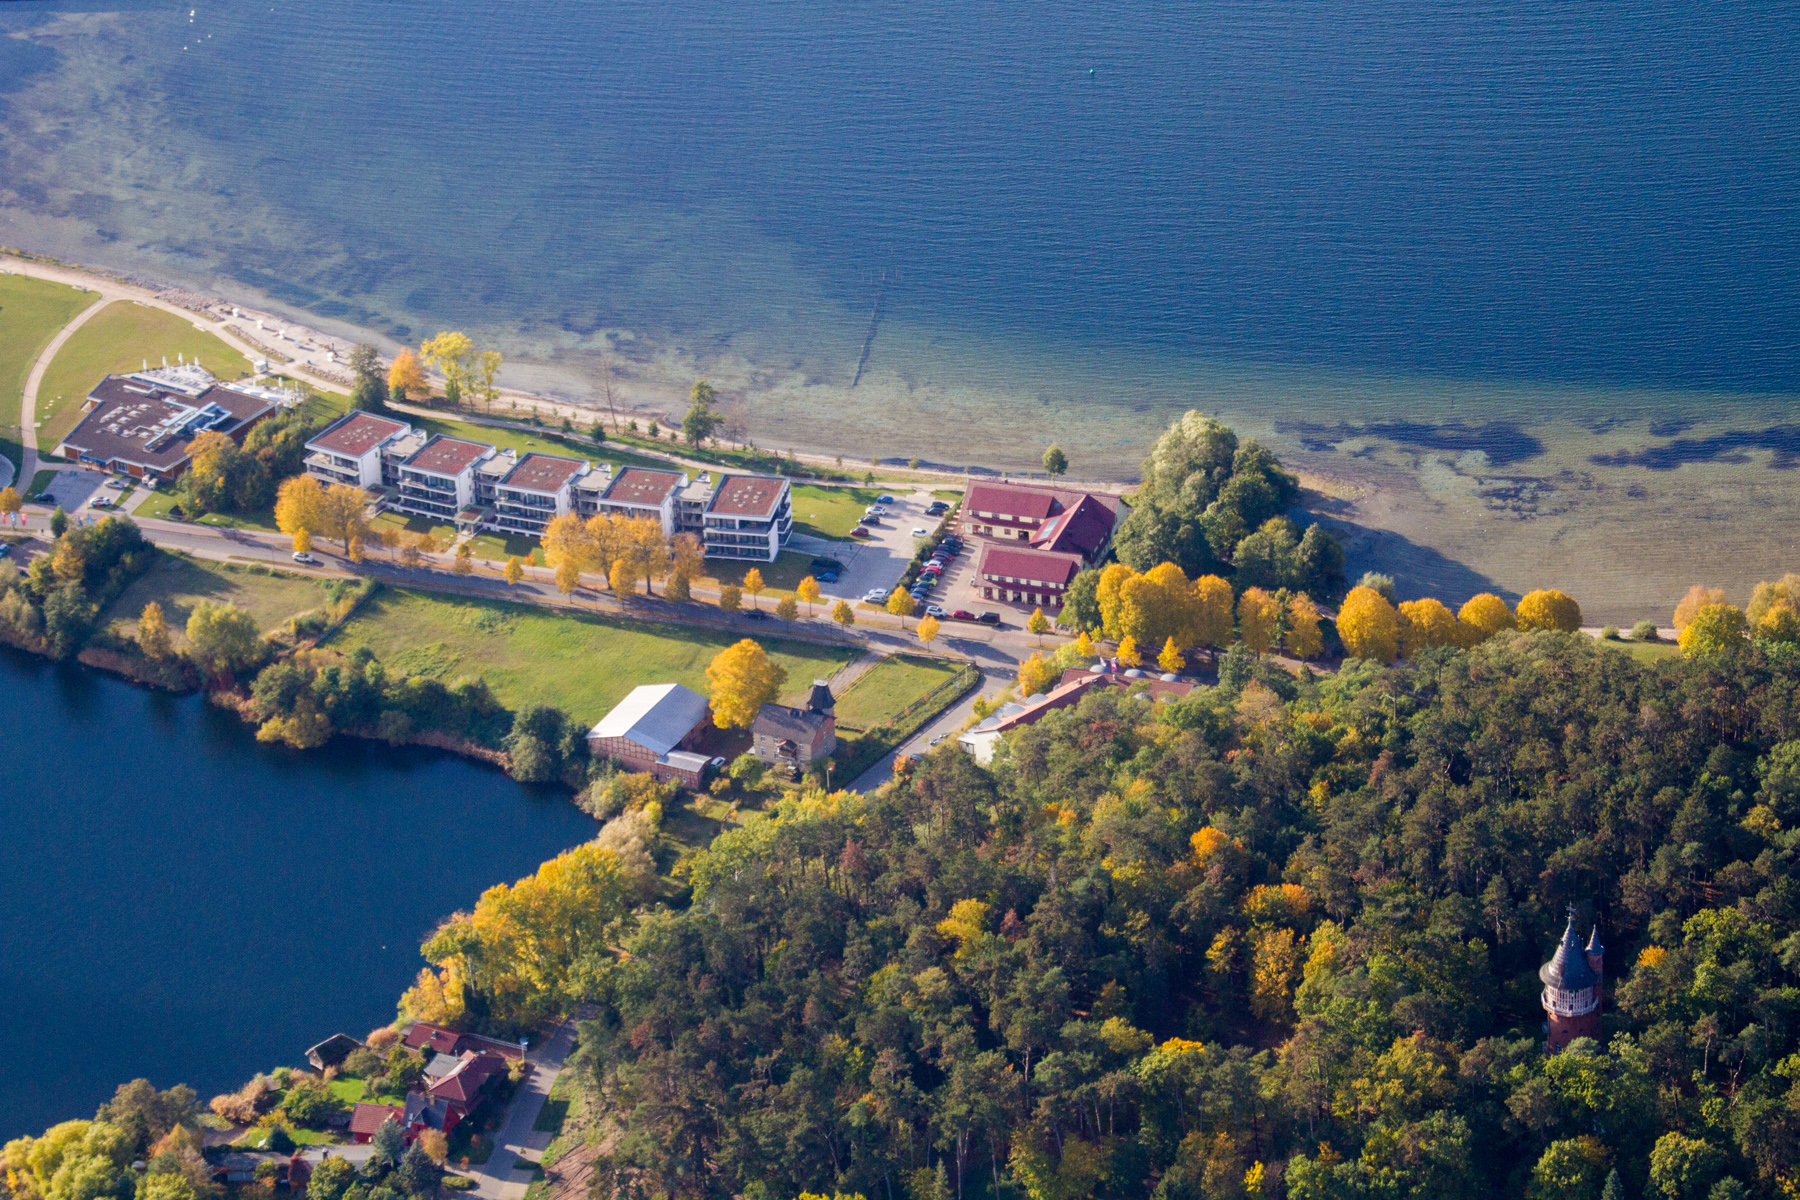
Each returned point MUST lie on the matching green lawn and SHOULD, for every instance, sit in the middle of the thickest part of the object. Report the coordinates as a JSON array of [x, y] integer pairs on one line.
[[39, 481], [258, 1139], [781, 576], [547, 441], [1645, 652], [348, 1089], [830, 512], [583, 664], [31, 313], [122, 337], [444, 532], [492, 547], [178, 584], [950, 494], [889, 686]]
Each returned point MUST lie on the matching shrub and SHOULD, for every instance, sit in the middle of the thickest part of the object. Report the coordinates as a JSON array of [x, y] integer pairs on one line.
[[1644, 631], [1547, 610], [1609, 633], [362, 1062]]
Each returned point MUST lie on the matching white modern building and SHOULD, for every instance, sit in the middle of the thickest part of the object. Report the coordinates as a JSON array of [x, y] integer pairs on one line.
[[438, 480], [748, 517], [349, 449], [640, 493]]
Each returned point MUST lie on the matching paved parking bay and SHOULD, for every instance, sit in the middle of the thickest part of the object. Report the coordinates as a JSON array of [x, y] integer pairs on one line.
[[879, 560], [75, 486]]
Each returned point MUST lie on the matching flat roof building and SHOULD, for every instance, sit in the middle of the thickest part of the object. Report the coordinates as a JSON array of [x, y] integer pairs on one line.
[[349, 449], [144, 424], [438, 480], [640, 492], [748, 517]]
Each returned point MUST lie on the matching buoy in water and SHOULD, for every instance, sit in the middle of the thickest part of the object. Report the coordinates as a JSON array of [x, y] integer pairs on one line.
[[1090, 70]]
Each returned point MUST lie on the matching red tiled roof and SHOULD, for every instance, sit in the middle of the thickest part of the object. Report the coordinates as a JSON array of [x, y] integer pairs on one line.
[[1014, 501], [542, 472], [367, 1118], [635, 485], [746, 496], [447, 455], [1081, 530], [1037, 566], [440, 1038], [464, 1084], [355, 435]]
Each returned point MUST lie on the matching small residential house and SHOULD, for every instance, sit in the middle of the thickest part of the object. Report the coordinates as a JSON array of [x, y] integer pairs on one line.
[[748, 517], [442, 1039], [349, 449], [639, 492], [144, 424], [447, 1098], [332, 1051], [366, 1118], [796, 737], [657, 728]]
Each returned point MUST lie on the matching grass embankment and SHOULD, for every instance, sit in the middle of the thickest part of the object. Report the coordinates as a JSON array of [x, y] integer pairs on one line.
[[32, 311], [780, 577], [564, 1115], [178, 584], [581, 663], [885, 690], [122, 337]]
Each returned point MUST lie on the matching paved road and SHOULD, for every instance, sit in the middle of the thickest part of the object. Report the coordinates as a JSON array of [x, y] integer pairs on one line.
[[517, 1147], [945, 725], [28, 410]]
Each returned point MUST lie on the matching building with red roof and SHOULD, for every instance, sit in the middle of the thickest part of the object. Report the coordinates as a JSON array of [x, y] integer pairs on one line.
[[366, 1118], [349, 449], [748, 517], [1033, 540]]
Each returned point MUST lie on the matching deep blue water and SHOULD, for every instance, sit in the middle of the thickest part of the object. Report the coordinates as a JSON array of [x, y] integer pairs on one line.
[[181, 904], [1527, 191]]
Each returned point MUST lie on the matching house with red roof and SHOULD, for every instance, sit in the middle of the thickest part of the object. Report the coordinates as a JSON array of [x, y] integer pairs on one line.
[[366, 1118], [1032, 541], [452, 1090]]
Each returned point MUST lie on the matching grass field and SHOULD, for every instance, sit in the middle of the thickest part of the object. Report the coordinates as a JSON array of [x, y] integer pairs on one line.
[[781, 576], [830, 512], [178, 584], [121, 337], [31, 313], [1645, 652], [582, 664], [493, 548], [889, 686]]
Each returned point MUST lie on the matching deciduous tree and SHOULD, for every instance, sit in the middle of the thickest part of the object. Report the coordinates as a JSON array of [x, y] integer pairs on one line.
[[153, 632], [1549, 610], [1056, 463], [515, 569], [1212, 605], [1170, 659], [1369, 626], [10, 500], [702, 419], [1129, 654], [754, 585], [406, 377], [731, 598], [787, 609], [302, 541], [568, 577], [453, 355], [1484, 615], [902, 605], [1038, 623], [1697, 598], [927, 630], [224, 637], [843, 614], [808, 593], [743, 678], [1715, 629], [1259, 620], [1424, 624], [1303, 641]]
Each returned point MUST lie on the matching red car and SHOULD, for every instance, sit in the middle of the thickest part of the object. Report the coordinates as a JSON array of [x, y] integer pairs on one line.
[[962, 614], [859, 531]]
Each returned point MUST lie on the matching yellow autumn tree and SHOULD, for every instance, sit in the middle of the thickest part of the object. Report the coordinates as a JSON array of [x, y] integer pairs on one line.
[[742, 678], [621, 579], [1037, 674], [569, 539], [407, 377], [153, 632], [966, 922], [1129, 654], [1303, 640], [1084, 645], [526, 948], [1274, 969], [1697, 598], [807, 592], [10, 500], [927, 630], [1549, 609], [1170, 659], [453, 355], [843, 614], [1483, 616], [1259, 619], [300, 504], [1369, 626], [901, 604], [1112, 578], [1765, 596], [1780, 623], [753, 585], [302, 541], [515, 569], [731, 598], [1715, 629], [1424, 624], [1212, 612], [1037, 623]]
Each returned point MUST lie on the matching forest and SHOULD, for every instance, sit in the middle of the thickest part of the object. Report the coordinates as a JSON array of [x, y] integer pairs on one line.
[[1280, 937]]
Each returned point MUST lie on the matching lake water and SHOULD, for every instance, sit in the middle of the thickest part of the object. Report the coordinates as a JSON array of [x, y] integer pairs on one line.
[[184, 905], [1386, 235]]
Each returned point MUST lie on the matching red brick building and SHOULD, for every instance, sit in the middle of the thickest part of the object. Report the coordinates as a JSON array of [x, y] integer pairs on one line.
[[657, 728], [1032, 541]]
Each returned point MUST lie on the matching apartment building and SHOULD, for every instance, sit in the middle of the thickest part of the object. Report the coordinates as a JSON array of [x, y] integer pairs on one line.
[[537, 490], [637, 492], [748, 517], [349, 449], [438, 480]]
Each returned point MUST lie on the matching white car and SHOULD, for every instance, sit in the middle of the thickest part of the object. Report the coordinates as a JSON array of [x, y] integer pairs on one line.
[[921, 532], [875, 596], [935, 610], [301, 556]]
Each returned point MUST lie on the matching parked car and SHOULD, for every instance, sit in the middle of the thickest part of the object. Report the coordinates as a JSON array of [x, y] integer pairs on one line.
[[827, 564], [932, 610], [989, 618], [301, 556], [940, 737], [870, 520], [44, 498], [884, 499], [118, 485], [921, 532], [826, 577], [100, 502], [962, 614], [874, 596], [937, 506], [859, 531], [755, 614]]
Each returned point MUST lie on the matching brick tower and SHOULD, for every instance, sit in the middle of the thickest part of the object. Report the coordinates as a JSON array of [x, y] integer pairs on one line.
[[1572, 988]]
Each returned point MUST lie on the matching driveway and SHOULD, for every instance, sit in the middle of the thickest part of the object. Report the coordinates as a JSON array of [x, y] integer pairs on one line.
[[993, 678], [517, 1147]]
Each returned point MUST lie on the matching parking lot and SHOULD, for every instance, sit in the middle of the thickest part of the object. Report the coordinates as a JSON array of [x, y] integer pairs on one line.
[[878, 560], [74, 487]]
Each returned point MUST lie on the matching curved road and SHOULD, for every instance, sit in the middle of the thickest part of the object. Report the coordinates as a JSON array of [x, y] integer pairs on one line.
[[28, 409]]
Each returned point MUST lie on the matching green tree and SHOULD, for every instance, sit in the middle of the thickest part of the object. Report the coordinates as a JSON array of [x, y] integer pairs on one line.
[[1683, 1168], [1056, 463], [59, 522], [702, 420], [1715, 629], [1081, 603], [388, 1144], [330, 1179], [224, 638], [370, 391]]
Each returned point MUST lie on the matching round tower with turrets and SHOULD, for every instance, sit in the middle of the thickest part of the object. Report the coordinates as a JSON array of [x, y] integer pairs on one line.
[[1572, 982]]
